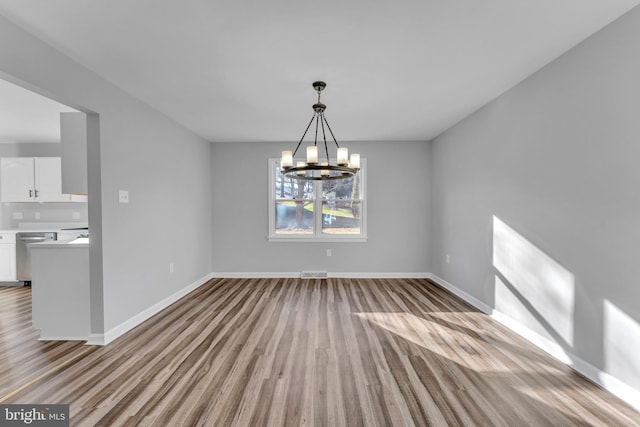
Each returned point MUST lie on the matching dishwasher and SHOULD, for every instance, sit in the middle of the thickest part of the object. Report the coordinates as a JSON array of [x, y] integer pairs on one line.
[[23, 257]]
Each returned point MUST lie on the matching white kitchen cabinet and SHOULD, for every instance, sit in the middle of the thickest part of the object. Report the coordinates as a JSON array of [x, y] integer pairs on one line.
[[17, 179], [31, 179], [48, 180], [8, 257]]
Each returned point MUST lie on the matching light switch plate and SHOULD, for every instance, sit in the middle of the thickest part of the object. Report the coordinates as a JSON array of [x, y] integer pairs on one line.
[[75, 215], [123, 196], [18, 215]]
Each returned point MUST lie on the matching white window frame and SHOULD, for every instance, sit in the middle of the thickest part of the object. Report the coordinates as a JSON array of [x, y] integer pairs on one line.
[[318, 236]]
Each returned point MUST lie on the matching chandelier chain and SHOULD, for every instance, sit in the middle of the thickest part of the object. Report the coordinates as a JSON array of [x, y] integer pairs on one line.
[[324, 135], [305, 133], [331, 132]]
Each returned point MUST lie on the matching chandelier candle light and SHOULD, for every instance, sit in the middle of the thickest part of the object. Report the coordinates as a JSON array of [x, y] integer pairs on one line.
[[344, 167]]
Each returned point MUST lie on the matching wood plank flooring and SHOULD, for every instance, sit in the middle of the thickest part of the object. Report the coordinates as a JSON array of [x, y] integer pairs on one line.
[[22, 357], [334, 352]]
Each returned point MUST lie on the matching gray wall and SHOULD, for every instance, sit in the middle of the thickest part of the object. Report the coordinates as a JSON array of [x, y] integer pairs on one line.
[[166, 169], [536, 200], [397, 208]]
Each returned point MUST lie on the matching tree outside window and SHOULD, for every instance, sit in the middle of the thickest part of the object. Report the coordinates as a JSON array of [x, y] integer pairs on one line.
[[317, 210]]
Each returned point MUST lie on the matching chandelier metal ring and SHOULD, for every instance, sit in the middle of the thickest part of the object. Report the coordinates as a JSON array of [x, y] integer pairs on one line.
[[300, 172], [344, 166]]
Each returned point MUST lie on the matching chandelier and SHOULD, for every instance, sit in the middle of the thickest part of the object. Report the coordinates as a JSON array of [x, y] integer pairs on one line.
[[312, 169]]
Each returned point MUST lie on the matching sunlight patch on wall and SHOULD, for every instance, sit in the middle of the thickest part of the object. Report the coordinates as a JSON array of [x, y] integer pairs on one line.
[[531, 287], [621, 345]]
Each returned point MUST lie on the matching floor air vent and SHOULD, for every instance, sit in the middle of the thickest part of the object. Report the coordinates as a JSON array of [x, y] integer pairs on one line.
[[313, 274]]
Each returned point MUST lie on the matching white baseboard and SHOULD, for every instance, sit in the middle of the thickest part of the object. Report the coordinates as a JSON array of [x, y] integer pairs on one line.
[[59, 338], [380, 275], [603, 379], [462, 294], [96, 339], [339, 275], [121, 329], [255, 275], [554, 349]]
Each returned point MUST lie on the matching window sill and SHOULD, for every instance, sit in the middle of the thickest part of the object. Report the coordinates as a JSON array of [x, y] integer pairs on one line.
[[342, 239]]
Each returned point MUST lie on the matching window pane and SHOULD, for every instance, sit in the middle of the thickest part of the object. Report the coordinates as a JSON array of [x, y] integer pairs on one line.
[[348, 188], [294, 218], [287, 188], [341, 217], [316, 209]]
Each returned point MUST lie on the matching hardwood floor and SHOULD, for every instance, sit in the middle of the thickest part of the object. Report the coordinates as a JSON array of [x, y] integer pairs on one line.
[[344, 352], [23, 358]]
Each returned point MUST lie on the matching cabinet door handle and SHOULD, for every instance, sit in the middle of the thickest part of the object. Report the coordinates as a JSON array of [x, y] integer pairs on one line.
[[36, 193], [30, 193]]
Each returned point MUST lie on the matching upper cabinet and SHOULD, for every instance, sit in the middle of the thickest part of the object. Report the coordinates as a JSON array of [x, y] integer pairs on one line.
[[73, 136], [31, 179], [17, 179], [48, 180]]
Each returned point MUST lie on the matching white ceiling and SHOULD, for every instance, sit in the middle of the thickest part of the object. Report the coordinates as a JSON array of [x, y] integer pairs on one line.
[[242, 70]]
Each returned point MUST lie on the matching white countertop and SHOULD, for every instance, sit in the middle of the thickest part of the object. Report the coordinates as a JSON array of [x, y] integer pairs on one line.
[[46, 228], [37, 230], [82, 242]]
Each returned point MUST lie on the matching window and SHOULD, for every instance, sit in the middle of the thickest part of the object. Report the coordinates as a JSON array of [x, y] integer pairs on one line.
[[316, 210]]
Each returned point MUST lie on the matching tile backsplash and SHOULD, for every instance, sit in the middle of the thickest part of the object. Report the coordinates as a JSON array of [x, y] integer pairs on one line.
[[12, 214]]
